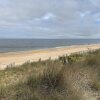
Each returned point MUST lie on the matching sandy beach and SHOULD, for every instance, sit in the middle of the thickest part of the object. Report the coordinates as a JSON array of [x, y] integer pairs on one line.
[[18, 58]]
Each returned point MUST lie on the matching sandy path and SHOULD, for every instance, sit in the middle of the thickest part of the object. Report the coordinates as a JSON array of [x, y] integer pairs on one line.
[[18, 58]]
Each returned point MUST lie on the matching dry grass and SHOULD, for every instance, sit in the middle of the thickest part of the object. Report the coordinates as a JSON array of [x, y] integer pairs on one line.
[[53, 80]]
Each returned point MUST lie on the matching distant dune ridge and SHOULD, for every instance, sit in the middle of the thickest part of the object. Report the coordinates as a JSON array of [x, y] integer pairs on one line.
[[19, 58]]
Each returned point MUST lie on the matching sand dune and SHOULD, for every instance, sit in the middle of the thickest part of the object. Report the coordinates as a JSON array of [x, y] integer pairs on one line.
[[18, 58]]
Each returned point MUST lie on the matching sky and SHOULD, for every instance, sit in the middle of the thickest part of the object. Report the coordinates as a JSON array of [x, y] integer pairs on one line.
[[50, 19]]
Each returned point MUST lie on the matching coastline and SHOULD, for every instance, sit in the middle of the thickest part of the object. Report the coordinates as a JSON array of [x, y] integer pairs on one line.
[[20, 57]]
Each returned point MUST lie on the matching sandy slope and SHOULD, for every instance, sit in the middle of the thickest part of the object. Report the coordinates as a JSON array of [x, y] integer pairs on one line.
[[18, 58]]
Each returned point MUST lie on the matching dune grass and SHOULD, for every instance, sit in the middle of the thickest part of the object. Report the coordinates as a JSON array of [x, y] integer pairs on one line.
[[66, 78]]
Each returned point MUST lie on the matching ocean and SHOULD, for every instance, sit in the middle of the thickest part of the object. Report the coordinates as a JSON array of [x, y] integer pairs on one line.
[[13, 45]]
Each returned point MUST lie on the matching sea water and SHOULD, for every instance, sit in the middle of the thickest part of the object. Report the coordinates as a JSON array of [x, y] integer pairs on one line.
[[13, 45]]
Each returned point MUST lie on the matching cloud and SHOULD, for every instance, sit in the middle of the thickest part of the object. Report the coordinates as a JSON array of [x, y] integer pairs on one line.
[[95, 3], [83, 14], [50, 18], [47, 16]]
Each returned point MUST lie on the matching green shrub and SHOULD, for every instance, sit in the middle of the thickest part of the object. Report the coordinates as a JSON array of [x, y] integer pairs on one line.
[[92, 60]]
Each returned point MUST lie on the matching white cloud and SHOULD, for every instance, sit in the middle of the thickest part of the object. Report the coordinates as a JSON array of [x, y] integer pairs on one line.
[[47, 16], [83, 14]]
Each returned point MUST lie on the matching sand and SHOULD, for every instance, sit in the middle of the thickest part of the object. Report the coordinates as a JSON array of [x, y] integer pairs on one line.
[[19, 58]]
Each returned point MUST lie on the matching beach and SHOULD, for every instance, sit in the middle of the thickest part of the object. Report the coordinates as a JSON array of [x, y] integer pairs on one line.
[[19, 58]]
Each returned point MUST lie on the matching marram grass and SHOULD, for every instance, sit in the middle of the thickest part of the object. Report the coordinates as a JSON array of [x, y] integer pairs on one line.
[[74, 77]]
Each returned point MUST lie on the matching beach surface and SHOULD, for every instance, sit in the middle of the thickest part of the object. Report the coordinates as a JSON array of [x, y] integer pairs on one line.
[[19, 58]]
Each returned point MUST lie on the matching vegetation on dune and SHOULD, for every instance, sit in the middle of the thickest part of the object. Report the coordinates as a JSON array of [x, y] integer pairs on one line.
[[74, 77]]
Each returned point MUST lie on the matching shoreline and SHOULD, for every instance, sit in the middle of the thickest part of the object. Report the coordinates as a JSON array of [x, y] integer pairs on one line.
[[20, 57], [51, 48]]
